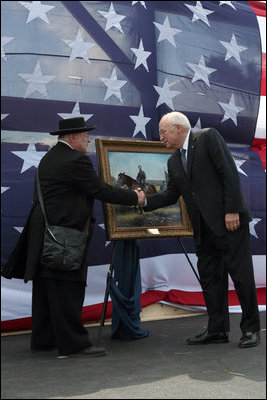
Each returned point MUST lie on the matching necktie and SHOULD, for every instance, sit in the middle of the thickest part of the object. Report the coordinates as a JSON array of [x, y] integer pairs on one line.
[[184, 160]]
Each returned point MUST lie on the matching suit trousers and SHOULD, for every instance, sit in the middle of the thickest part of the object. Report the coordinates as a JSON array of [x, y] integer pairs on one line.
[[56, 316], [219, 256]]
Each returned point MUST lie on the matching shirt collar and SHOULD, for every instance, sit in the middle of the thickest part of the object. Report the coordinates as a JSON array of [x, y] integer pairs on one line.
[[62, 141], [185, 145]]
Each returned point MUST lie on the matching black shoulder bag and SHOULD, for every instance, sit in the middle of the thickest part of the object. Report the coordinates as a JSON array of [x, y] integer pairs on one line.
[[63, 247]]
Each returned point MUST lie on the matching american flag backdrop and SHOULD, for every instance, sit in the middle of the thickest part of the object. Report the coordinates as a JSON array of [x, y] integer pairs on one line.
[[122, 65]]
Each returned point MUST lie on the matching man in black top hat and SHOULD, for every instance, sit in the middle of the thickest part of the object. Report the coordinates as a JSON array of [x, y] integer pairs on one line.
[[69, 186]]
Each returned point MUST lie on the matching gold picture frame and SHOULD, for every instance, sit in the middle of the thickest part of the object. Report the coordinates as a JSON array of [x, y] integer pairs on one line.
[[120, 158]]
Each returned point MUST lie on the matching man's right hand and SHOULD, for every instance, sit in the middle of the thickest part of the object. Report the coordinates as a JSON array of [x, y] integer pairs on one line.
[[141, 197]]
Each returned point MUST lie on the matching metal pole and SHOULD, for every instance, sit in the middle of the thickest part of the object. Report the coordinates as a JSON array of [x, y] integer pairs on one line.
[[193, 269], [104, 309]]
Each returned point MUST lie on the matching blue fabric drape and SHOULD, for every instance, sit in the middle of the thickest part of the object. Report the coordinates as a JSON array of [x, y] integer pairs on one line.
[[125, 291]]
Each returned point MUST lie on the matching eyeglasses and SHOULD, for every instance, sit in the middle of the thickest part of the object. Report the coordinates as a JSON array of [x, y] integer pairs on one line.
[[163, 131]]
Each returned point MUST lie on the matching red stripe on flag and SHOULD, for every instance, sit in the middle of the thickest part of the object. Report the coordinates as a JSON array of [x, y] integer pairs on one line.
[[197, 299], [259, 8], [93, 313], [259, 145], [263, 75], [20, 324]]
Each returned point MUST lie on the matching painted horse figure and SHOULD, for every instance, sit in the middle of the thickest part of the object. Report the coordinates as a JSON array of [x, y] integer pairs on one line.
[[132, 184]]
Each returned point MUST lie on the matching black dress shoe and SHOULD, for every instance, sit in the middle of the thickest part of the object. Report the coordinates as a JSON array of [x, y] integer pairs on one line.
[[92, 351], [249, 339], [206, 337]]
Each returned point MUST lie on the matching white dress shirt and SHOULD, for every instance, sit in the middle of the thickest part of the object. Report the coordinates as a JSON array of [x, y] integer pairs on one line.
[[62, 141], [185, 145]]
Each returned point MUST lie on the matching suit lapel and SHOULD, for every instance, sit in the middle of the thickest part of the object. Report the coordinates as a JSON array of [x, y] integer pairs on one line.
[[190, 151], [178, 156], [193, 136]]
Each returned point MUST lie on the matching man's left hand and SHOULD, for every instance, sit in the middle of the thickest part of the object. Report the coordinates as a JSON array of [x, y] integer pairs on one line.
[[232, 222]]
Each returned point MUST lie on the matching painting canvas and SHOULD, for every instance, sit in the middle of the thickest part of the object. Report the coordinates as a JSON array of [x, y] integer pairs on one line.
[[123, 163]]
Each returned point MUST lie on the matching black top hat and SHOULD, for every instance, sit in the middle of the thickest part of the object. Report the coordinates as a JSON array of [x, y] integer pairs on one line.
[[72, 125]]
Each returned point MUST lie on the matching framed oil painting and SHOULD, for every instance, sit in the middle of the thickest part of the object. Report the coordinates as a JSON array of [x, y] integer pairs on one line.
[[137, 163]]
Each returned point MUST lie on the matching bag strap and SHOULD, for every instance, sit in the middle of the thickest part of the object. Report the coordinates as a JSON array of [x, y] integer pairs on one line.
[[40, 196], [42, 203]]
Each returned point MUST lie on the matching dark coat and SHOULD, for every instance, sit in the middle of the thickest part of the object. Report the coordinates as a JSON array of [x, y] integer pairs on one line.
[[69, 186], [211, 186], [141, 176]]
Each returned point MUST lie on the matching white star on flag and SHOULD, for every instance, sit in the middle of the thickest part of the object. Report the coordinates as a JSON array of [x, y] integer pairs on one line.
[[140, 122], [113, 85], [199, 12], [229, 3], [31, 157], [197, 127], [37, 81], [79, 47], [166, 32], [5, 40], [142, 2], [231, 110], [201, 71], [18, 228], [103, 227], [252, 226], [239, 164], [233, 49], [37, 10], [3, 116], [75, 113], [4, 189], [141, 55], [165, 94], [113, 19]]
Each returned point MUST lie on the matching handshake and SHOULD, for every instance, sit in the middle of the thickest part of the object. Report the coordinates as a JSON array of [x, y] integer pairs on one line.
[[141, 197]]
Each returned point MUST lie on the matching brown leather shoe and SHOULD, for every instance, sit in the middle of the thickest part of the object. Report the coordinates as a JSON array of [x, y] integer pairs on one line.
[[249, 339], [206, 338], [92, 351]]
